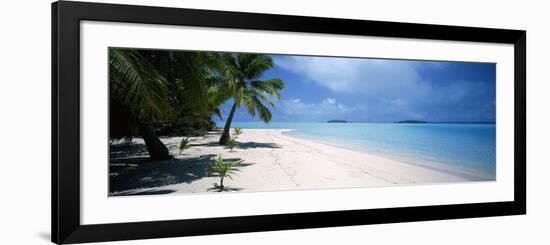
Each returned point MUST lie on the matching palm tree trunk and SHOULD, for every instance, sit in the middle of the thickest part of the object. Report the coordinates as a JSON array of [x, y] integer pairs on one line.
[[157, 150], [225, 134]]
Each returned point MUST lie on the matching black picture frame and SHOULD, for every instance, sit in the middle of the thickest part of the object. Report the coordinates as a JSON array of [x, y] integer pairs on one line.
[[66, 17]]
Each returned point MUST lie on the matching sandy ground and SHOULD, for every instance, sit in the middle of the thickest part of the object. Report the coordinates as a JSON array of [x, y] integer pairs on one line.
[[271, 161]]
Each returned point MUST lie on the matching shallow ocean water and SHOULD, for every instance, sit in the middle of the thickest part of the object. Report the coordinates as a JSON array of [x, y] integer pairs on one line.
[[468, 146]]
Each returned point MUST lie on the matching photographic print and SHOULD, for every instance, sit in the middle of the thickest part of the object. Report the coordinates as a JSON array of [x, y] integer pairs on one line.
[[338, 122], [185, 122]]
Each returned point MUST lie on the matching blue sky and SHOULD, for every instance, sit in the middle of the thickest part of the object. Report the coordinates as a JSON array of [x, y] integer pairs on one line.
[[318, 89]]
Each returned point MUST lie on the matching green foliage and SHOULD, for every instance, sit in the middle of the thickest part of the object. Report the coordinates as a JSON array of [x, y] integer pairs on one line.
[[241, 82], [238, 131], [184, 144], [223, 169], [137, 84], [138, 99], [231, 143], [195, 74], [168, 91], [178, 92]]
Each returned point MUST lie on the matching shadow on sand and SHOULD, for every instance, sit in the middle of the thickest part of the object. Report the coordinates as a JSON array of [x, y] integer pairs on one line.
[[140, 172], [131, 170], [127, 149], [243, 145], [147, 192], [217, 188], [252, 145], [206, 144]]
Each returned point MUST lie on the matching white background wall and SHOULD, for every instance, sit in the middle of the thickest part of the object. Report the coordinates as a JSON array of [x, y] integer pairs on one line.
[[25, 121]]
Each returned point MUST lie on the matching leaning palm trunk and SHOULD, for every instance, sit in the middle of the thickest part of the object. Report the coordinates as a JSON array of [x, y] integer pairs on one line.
[[225, 135], [157, 150], [241, 83]]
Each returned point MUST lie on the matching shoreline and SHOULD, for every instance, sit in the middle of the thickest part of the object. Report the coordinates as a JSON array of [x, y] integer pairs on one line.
[[404, 158], [272, 161]]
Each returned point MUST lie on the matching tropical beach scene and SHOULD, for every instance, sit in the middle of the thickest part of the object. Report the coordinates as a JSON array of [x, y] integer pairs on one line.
[[183, 122]]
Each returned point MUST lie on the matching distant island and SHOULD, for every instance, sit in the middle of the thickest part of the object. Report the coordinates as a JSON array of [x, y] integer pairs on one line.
[[337, 121], [411, 121]]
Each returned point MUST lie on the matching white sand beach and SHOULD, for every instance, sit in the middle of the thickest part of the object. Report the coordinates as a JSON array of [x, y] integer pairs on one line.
[[272, 161]]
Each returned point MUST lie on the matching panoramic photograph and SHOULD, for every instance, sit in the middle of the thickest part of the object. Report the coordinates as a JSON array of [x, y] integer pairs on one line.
[[183, 122]]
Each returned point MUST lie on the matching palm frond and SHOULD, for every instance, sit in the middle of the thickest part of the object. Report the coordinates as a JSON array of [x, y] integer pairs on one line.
[[138, 84], [264, 112], [184, 144], [223, 169], [255, 65], [247, 100]]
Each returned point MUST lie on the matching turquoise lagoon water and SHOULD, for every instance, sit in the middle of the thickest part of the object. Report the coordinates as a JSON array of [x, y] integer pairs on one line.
[[460, 146]]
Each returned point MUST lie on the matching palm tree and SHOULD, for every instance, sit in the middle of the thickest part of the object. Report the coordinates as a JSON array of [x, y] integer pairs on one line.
[[195, 76], [154, 90], [190, 76], [223, 169], [241, 75], [140, 92]]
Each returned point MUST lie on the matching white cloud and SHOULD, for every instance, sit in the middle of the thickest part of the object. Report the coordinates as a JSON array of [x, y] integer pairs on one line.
[[293, 106], [390, 89], [389, 78], [326, 109], [330, 101]]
